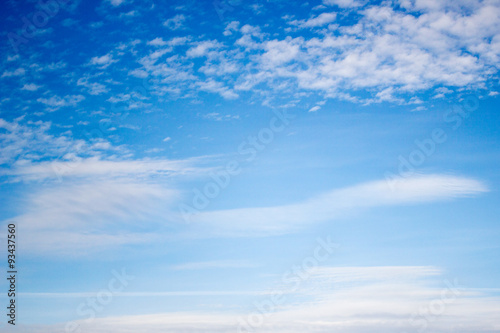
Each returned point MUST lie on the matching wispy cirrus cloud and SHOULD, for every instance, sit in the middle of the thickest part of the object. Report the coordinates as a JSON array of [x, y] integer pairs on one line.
[[337, 299], [215, 264], [96, 167], [78, 219], [335, 204]]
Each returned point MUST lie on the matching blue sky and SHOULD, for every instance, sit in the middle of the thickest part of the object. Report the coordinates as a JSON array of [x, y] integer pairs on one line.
[[233, 166]]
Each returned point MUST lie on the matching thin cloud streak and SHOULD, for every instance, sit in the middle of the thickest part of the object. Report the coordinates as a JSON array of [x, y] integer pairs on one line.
[[336, 204], [373, 303], [218, 264]]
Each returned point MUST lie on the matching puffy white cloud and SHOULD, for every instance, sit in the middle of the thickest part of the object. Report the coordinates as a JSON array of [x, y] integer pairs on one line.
[[158, 41], [202, 49], [230, 28], [281, 52], [176, 22], [384, 54], [103, 61]]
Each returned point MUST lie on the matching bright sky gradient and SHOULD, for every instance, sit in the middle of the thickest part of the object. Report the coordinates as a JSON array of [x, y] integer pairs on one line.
[[240, 166]]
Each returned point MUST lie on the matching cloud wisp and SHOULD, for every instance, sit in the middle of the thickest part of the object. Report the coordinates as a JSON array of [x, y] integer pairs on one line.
[[339, 299], [336, 204]]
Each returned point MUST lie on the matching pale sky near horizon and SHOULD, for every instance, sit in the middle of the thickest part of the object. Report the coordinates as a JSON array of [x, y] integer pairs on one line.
[[264, 166]]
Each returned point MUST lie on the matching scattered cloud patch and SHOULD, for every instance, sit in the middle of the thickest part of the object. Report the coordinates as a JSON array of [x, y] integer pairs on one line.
[[17, 72], [176, 22], [103, 61], [31, 87], [318, 21], [158, 41], [219, 117], [116, 3], [345, 3], [55, 102]]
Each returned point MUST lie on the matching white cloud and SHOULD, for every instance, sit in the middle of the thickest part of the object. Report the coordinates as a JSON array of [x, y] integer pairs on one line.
[[217, 264], [251, 37], [176, 22], [335, 299], [95, 167], [32, 141], [103, 61], [217, 87], [93, 88], [87, 202], [55, 102], [97, 204], [219, 117], [202, 49], [315, 108], [317, 21], [140, 73], [159, 53], [158, 41], [178, 41], [230, 28], [389, 52], [344, 3], [116, 3], [419, 108], [31, 87], [335, 204], [17, 72], [131, 13], [54, 66], [77, 207], [220, 67], [281, 52], [13, 58], [119, 98]]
